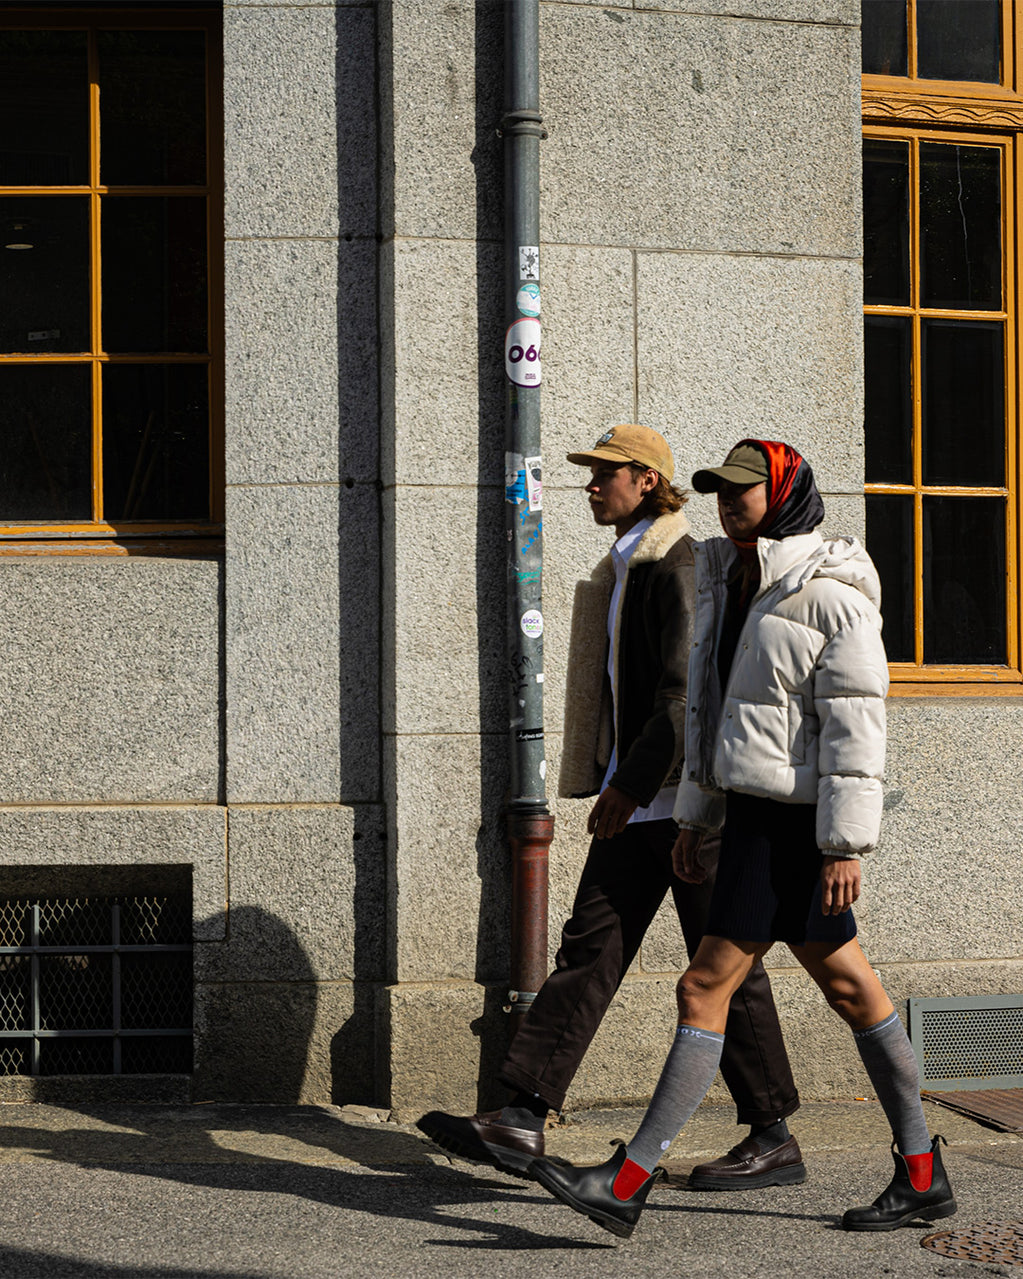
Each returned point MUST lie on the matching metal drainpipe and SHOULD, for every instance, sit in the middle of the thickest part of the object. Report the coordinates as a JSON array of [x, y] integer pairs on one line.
[[529, 823]]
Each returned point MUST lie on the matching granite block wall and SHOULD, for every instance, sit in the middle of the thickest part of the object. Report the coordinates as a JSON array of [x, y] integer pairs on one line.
[[286, 1003], [315, 723], [700, 271]]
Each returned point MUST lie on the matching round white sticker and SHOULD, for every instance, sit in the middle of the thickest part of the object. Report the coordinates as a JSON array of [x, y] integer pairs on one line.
[[528, 299], [532, 623], [522, 353]]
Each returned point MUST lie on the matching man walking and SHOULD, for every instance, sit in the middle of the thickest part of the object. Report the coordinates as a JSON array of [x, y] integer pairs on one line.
[[624, 731]]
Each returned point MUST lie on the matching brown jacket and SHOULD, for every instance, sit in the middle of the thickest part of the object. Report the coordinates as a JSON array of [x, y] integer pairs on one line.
[[654, 628]]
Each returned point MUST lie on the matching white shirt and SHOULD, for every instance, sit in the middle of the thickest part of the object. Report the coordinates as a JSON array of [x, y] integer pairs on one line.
[[621, 553]]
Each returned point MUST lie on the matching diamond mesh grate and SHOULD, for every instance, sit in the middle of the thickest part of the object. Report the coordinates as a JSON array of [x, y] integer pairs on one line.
[[15, 919], [95, 985], [156, 990], [147, 921], [76, 1057], [13, 1060], [74, 923], [969, 1042], [15, 990], [170, 1056], [75, 992]]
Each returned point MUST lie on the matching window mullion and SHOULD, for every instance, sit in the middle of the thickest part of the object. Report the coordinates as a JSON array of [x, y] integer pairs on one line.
[[911, 38], [1010, 213], [94, 280], [916, 378]]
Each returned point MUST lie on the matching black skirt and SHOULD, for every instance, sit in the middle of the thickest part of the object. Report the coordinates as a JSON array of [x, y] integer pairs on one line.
[[768, 885]]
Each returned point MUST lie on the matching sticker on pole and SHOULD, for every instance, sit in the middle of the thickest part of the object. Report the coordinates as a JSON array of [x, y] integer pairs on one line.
[[522, 353], [529, 262], [532, 623], [528, 299], [534, 482]]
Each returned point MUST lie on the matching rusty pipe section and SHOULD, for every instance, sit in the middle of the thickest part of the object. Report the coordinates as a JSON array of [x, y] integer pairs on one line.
[[529, 840]]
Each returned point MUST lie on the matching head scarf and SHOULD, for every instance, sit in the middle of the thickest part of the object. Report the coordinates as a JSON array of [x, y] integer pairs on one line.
[[793, 506], [793, 503]]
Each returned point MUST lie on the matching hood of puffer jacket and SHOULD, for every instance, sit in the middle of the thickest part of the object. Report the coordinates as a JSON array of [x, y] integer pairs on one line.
[[790, 563]]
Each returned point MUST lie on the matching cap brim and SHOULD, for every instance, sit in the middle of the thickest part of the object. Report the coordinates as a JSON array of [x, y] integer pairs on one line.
[[711, 479], [597, 455]]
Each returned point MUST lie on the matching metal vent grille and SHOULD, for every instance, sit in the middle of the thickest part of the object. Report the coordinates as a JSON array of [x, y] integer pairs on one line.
[[974, 1042], [95, 986]]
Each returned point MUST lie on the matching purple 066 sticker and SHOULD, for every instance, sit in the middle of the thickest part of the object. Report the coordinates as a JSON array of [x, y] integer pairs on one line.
[[522, 353]]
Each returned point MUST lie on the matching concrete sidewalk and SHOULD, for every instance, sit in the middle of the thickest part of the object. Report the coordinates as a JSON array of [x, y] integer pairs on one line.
[[266, 1192]]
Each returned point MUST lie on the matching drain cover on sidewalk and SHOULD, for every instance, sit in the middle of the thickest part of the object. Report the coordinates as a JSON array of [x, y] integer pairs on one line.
[[993, 1242]]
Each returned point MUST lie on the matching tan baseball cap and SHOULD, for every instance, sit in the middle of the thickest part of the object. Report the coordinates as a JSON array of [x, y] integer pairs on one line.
[[630, 443], [746, 464]]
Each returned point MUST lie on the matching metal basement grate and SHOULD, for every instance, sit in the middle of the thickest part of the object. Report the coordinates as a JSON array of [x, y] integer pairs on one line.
[[974, 1042], [95, 986], [991, 1242]]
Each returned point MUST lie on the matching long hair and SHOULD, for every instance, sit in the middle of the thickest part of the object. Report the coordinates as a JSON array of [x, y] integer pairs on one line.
[[662, 500]]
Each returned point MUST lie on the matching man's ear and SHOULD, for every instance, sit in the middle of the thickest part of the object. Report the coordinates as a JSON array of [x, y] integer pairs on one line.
[[649, 481]]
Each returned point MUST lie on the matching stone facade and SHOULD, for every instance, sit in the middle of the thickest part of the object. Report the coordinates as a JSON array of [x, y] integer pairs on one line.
[[315, 724]]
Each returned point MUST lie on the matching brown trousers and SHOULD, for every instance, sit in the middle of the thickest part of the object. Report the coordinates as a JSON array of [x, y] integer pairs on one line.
[[623, 883]]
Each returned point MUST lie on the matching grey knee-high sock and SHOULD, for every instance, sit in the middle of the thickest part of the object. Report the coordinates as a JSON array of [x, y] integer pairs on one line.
[[688, 1072], [888, 1056]]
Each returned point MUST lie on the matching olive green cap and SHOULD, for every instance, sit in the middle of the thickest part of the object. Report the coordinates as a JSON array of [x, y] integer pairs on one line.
[[744, 465]]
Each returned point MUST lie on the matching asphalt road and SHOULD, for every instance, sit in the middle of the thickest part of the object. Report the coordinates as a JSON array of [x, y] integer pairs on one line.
[[220, 1192]]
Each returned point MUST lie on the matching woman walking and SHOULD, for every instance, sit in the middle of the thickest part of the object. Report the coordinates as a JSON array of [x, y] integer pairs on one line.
[[785, 750]]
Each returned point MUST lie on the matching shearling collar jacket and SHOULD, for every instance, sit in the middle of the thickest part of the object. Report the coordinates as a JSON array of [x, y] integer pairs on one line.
[[802, 718], [652, 628]]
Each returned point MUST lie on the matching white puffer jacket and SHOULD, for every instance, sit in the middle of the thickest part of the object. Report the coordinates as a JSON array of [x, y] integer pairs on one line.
[[803, 715]]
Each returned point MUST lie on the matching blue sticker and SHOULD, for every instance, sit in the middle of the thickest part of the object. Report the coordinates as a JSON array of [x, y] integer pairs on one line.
[[516, 491]]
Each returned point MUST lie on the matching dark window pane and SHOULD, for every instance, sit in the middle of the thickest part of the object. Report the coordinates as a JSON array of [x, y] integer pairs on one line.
[[152, 107], [155, 442], [960, 227], [44, 106], [46, 434], [964, 580], [884, 37], [154, 274], [958, 40], [963, 403], [887, 344], [44, 284], [885, 223], [890, 545]]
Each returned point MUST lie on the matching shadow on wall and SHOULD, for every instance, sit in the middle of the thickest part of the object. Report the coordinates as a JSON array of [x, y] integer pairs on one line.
[[353, 1048], [253, 1035]]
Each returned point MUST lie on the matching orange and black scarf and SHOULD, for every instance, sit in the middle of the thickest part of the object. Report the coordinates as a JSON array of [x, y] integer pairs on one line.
[[793, 506], [793, 503]]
